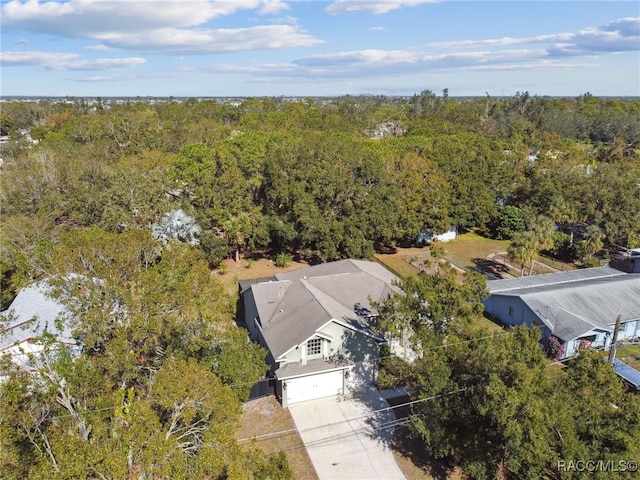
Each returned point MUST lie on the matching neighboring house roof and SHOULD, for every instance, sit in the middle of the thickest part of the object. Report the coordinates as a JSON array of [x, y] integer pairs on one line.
[[33, 313], [574, 303], [628, 373], [297, 304], [569, 276]]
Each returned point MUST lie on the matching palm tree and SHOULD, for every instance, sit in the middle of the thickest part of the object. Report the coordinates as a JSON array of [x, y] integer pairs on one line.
[[591, 241], [564, 212], [176, 225], [523, 249], [237, 228], [543, 229]]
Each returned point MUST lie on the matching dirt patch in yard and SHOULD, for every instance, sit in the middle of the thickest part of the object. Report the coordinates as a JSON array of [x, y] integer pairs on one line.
[[270, 427], [233, 271]]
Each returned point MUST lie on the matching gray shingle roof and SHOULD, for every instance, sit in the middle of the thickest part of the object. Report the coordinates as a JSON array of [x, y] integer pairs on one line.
[[300, 302], [571, 305], [315, 365]]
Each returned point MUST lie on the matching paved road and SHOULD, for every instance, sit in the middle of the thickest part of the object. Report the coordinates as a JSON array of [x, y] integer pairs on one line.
[[346, 439]]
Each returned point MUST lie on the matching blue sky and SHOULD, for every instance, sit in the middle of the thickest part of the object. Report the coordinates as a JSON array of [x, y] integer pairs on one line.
[[314, 48]]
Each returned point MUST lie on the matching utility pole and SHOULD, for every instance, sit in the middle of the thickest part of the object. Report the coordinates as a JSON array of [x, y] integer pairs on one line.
[[612, 349]]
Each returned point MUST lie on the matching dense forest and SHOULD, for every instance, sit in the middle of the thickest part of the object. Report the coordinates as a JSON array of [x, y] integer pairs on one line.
[[149, 196]]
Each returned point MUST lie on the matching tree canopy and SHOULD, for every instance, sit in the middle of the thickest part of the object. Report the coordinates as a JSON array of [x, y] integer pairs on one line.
[[319, 179]]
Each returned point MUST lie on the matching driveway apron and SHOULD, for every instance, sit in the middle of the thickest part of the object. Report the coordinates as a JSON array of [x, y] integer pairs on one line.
[[348, 438]]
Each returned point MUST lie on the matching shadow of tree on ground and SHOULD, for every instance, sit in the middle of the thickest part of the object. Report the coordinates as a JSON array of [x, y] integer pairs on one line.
[[413, 449]]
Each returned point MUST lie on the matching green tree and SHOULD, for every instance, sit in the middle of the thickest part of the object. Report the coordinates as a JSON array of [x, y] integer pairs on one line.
[[157, 389], [509, 222], [591, 241], [524, 250], [493, 421], [544, 230]]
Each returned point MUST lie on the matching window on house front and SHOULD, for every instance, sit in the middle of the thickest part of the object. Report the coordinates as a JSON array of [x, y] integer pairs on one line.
[[314, 347], [511, 311]]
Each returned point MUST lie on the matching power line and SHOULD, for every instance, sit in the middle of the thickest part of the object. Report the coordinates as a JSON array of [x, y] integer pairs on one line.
[[368, 415]]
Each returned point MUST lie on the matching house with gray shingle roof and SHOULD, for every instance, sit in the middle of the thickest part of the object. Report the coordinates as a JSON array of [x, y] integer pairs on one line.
[[317, 324], [578, 307]]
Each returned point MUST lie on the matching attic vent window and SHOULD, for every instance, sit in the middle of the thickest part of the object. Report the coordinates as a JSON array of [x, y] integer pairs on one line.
[[314, 347]]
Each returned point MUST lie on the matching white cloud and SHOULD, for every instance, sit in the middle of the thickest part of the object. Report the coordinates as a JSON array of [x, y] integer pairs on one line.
[[373, 6], [621, 35], [543, 53], [167, 26], [98, 64], [97, 47], [178, 41], [504, 41], [83, 17], [60, 61], [377, 29], [272, 6], [11, 59], [391, 63]]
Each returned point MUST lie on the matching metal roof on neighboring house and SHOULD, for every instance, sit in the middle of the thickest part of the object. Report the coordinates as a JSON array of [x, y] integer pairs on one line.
[[628, 373], [558, 278], [293, 308], [574, 303]]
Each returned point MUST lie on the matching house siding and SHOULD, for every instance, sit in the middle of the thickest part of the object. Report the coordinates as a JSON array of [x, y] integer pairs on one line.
[[511, 310], [629, 330], [250, 314]]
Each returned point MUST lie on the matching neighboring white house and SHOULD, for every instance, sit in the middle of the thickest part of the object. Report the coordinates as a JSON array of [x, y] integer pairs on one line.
[[32, 314], [316, 324], [578, 307], [427, 236]]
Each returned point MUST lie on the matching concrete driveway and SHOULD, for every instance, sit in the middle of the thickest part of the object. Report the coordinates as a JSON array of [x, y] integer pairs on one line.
[[346, 438]]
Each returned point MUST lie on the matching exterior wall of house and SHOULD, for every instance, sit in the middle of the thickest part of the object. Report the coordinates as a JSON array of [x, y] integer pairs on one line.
[[629, 330], [300, 353], [357, 347], [250, 313], [511, 310], [593, 338]]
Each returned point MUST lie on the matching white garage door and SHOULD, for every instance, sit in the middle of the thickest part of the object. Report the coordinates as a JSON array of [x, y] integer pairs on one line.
[[314, 386]]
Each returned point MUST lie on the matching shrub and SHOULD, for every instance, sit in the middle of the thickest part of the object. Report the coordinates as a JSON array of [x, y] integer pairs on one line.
[[509, 221], [555, 348], [562, 248], [215, 248], [283, 260]]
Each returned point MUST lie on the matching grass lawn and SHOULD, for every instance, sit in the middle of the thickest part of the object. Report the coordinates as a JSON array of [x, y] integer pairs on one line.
[[265, 416], [472, 246], [630, 355], [467, 250], [482, 322], [397, 262]]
